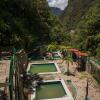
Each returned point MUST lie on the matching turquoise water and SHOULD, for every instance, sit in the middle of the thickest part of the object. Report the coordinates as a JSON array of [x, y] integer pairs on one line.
[[42, 68], [50, 90]]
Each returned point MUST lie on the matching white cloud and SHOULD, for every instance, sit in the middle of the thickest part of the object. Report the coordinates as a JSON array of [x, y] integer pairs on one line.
[[58, 3]]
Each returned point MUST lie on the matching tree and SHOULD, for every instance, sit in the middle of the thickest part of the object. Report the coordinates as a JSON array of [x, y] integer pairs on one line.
[[66, 54], [68, 60], [26, 23], [51, 48]]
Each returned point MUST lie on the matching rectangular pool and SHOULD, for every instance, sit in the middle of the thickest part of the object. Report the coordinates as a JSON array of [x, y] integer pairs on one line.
[[45, 68], [53, 90]]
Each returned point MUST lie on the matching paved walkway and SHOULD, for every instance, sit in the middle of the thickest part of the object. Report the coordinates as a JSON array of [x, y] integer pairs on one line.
[[80, 81], [4, 70]]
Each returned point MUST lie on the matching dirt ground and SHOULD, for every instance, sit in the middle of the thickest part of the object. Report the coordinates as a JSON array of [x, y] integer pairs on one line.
[[80, 81]]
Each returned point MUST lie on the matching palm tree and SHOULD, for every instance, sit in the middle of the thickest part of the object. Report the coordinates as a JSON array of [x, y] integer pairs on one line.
[[51, 48], [66, 57], [55, 47], [68, 60]]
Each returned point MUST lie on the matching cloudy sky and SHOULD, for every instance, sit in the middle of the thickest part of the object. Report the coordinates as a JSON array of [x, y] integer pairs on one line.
[[58, 3]]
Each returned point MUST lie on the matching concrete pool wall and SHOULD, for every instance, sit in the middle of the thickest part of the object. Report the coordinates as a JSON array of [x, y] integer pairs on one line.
[[68, 95], [57, 68]]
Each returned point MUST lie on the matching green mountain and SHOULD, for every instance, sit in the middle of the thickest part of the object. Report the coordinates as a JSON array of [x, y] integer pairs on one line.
[[56, 11], [74, 12], [83, 17]]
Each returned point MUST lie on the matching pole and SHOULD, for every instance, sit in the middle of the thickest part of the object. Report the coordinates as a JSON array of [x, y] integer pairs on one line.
[[12, 66], [86, 98]]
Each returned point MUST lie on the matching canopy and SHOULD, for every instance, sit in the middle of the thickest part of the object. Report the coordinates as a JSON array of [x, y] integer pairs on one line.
[[81, 54]]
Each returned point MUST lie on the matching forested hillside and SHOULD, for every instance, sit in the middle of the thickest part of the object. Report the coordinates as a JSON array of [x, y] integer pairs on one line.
[[26, 23], [73, 13], [83, 17], [30, 23]]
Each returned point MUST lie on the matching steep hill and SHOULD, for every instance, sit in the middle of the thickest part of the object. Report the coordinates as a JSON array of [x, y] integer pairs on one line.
[[83, 16], [74, 12]]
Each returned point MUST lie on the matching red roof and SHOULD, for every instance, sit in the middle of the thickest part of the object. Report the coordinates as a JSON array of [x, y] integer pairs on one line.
[[81, 54], [78, 53]]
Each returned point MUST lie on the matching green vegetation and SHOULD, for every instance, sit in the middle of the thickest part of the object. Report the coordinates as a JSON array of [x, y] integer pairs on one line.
[[82, 21], [27, 23], [30, 23], [74, 12], [89, 27]]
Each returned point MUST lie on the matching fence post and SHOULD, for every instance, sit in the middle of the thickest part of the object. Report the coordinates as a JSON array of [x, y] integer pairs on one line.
[[11, 74]]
